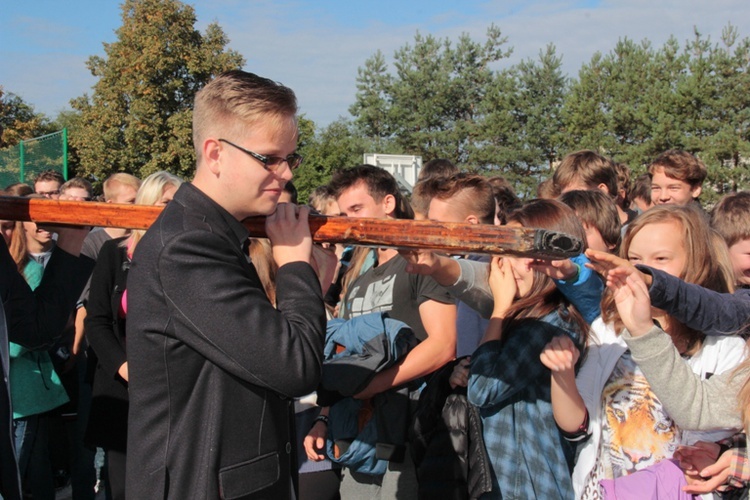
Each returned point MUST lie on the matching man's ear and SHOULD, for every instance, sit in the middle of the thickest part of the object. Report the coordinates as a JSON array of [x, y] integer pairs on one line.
[[696, 191], [389, 205], [212, 153], [604, 189], [472, 219]]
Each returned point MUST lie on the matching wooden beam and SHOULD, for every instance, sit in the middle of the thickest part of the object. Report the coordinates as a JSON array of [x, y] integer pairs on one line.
[[406, 234]]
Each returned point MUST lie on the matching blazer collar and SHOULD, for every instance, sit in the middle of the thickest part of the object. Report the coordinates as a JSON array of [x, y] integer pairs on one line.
[[197, 202]]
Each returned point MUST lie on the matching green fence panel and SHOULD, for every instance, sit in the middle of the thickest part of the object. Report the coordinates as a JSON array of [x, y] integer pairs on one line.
[[22, 163]]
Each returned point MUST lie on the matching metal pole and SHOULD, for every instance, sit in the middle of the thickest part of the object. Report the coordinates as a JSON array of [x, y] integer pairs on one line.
[[65, 152], [21, 159]]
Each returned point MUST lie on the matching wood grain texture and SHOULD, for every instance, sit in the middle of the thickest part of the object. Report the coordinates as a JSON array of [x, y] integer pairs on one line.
[[407, 234]]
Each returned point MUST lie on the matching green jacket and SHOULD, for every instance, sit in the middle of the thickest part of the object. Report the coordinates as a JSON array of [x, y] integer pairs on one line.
[[34, 384]]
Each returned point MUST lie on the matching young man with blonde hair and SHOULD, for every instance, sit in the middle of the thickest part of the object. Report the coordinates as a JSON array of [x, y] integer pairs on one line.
[[213, 365], [78, 187], [121, 188]]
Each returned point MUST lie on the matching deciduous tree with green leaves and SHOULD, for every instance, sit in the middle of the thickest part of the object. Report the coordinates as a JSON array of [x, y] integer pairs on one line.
[[19, 121], [332, 148], [138, 119]]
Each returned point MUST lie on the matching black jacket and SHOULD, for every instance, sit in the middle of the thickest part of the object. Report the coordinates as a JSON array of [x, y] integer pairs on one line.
[[105, 331], [447, 443], [33, 320], [213, 366]]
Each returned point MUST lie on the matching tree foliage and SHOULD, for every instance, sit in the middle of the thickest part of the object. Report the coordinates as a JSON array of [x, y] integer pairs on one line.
[[431, 105], [637, 101], [19, 121], [436, 98], [630, 103], [138, 119], [522, 124], [324, 151]]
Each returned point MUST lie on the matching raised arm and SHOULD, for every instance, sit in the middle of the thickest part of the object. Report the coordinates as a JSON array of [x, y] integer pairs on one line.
[[705, 310], [710, 312], [692, 403]]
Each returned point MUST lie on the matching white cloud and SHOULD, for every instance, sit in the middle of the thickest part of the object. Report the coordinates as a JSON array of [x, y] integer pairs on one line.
[[319, 57], [309, 47]]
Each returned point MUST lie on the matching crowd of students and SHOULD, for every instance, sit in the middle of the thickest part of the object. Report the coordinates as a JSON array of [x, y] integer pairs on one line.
[[550, 353], [619, 373]]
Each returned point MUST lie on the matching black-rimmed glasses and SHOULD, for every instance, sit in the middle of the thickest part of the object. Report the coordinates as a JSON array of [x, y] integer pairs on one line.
[[271, 163]]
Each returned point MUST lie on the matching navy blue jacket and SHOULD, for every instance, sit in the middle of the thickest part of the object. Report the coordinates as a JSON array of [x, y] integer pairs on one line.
[[699, 308]]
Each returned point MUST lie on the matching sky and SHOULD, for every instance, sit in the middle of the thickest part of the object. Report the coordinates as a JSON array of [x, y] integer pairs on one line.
[[316, 47]]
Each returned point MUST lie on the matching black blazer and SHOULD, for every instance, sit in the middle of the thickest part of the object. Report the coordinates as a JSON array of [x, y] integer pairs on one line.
[[33, 320], [213, 365], [105, 331]]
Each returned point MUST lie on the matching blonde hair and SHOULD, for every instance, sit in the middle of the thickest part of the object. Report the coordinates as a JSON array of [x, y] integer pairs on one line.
[[261, 255], [704, 265], [236, 100], [723, 259], [355, 269], [321, 198], [77, 182], [17, 245], [113, 183], [150, 192]]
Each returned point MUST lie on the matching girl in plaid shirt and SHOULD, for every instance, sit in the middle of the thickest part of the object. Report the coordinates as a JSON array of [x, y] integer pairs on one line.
[[507, 381]]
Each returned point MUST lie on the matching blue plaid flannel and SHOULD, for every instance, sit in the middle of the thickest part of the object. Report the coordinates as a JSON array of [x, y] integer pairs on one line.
[[511, 387]]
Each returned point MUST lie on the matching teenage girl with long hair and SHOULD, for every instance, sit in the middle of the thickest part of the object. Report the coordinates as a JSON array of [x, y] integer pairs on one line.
[[629, 426], [507, 381]]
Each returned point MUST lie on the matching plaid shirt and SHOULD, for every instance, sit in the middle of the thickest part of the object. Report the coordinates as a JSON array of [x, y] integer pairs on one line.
[[511, 387], [739, 466]]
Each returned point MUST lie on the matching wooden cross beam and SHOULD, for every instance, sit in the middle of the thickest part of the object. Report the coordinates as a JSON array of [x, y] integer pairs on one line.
[[405, 234]]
